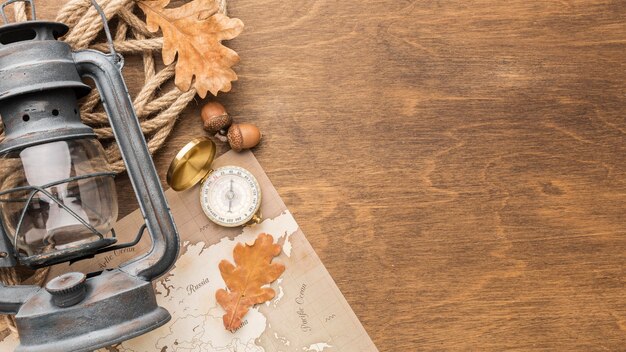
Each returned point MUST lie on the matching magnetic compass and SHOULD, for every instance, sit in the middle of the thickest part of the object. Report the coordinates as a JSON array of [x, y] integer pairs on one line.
[[229, 196]]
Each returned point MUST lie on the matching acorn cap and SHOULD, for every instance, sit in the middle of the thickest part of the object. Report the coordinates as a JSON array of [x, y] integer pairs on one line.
[[191, 164], [215, 124]]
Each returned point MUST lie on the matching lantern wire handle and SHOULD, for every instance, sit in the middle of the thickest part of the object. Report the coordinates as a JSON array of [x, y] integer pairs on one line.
[[9, 2], [107, 31]]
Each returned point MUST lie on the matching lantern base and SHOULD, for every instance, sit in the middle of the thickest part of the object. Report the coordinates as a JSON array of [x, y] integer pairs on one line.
[[117, 307]]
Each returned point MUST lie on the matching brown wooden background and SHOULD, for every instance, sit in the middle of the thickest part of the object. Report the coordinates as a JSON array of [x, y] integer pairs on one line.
[[458, 165]]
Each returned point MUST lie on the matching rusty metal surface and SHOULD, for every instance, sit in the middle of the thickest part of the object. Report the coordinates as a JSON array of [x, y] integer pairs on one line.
[[43, 117], [34, 65], [68, 289], [12, 297], [60, 256], [7, 253], [141, 171], [117, 307]]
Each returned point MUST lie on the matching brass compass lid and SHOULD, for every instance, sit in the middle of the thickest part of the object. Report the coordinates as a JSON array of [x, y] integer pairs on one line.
[[191, 164]]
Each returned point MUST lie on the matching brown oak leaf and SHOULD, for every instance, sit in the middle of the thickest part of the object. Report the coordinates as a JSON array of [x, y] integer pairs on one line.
[[247, 281], [195, 32]]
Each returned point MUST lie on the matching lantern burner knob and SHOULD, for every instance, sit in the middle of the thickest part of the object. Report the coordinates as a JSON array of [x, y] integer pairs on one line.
[[67, 289]]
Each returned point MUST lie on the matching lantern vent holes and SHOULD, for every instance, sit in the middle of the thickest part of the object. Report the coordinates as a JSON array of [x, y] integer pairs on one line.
[[25, 117], [18, 35], [55, 112]]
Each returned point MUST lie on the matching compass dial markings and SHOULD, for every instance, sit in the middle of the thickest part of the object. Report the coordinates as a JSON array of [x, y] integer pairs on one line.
[[230, 196]]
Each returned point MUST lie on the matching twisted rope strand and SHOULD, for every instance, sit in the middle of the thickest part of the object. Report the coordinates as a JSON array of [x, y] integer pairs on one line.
[[19, 10], [131, 46], [127, 15]]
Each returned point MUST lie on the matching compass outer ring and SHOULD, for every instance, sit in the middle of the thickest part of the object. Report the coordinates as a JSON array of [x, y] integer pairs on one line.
[[245, 220]]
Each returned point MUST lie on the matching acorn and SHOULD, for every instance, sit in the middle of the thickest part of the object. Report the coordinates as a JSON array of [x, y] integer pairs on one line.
[[243, 136], [215, 118]]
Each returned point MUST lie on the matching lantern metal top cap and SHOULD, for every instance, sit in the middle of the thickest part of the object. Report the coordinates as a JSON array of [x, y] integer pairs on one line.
[[33, 60]]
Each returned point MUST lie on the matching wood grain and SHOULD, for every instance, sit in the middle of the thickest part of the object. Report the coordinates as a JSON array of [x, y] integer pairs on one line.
[[457, 165]]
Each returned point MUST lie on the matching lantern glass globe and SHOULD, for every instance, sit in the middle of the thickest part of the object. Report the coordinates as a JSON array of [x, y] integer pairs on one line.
[[63, 196]]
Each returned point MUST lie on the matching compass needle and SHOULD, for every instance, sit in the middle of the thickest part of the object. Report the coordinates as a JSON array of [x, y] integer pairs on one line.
[[230, 195]]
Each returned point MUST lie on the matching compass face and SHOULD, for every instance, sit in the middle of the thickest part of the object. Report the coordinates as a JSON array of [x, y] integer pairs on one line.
[[230, 196]]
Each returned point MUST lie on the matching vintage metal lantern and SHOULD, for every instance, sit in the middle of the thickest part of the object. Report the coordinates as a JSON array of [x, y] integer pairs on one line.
[[57, 195]]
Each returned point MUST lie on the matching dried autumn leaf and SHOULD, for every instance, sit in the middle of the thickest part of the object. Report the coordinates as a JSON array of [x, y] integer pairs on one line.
[[195, 31], [245, 281]]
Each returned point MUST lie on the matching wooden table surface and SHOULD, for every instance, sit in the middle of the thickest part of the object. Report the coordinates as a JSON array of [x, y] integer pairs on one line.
[[457, 165]]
